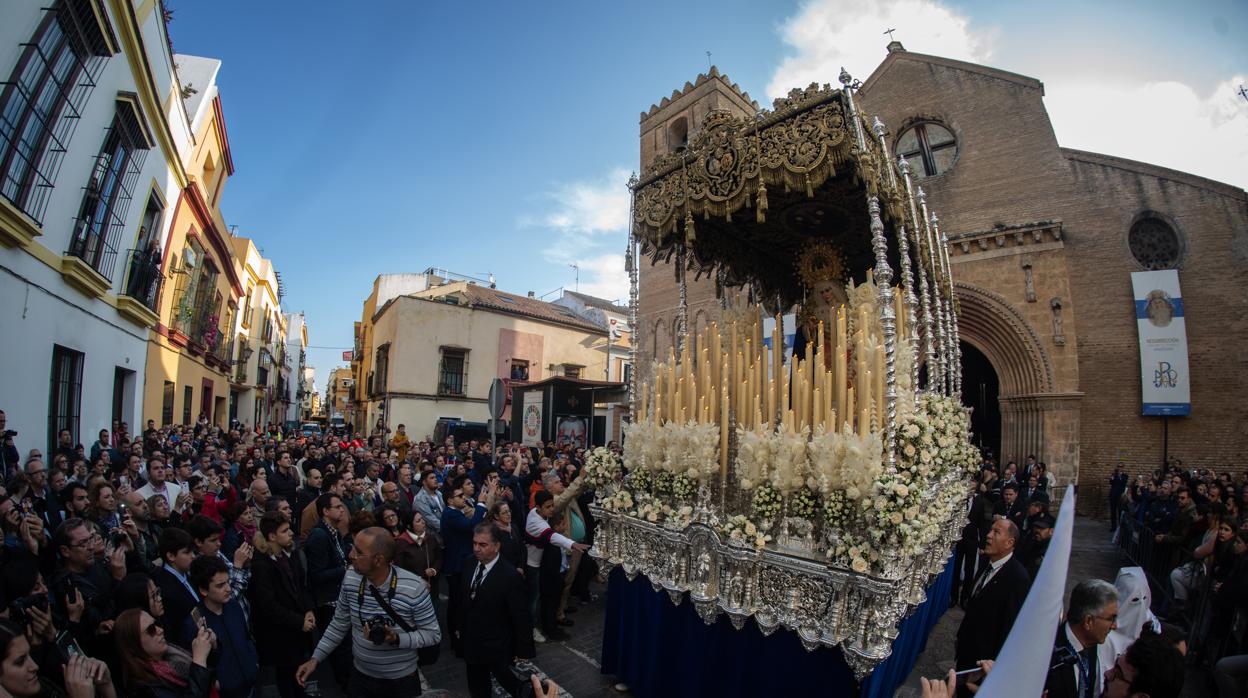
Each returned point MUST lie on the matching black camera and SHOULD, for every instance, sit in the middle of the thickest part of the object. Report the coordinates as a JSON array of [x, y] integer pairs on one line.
[[377, 630], [524, 674], [117, 538], [20, 605], [9, 433]]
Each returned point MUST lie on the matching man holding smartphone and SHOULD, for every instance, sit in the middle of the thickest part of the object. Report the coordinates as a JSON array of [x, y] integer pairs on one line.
[[235, 654]]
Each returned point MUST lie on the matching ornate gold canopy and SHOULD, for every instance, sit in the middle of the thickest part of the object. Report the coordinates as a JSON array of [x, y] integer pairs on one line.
[[805, 168]]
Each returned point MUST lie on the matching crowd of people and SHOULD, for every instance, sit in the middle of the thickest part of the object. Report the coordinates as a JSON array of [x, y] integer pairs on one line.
[[1191, 529], [188, 561]]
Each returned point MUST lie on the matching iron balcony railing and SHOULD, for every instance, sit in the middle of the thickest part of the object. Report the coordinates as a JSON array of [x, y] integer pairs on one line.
[[91, 245], [143, 278]]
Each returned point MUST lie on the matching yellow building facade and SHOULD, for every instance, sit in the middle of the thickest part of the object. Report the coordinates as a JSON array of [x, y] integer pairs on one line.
[[190, 348], [259, 337]]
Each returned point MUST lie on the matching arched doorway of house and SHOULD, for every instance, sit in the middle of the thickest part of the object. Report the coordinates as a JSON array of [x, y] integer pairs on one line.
[[980, 390]]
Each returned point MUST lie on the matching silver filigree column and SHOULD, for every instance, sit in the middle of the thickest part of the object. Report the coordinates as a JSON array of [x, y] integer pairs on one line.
[[929, 344], [936, 378], [682, 308], [847, 81], [888, 323], [634, 287], [956, 368]]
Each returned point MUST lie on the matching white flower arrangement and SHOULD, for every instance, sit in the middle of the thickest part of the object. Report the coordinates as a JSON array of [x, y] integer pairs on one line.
[[620, 501], [683, 487], [869, 519], [678, 517], [804, 503], [754, 457], [844, 461], [639, 480], [602, 468], [766, 502], [790, 465], [837, 510], [741, 530]]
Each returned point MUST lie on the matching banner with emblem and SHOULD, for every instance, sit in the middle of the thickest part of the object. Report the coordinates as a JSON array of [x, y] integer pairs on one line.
[[531, 418], [1164, 380]]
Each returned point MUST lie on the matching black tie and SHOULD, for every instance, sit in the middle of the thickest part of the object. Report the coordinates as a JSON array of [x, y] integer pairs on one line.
[[1089, 659], [983, 579], [476, 580]]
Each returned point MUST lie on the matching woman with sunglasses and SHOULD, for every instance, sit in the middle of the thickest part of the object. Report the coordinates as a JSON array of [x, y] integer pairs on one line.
[[155, 669]]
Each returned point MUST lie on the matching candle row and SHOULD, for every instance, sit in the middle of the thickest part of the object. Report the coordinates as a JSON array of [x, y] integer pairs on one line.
[[838, 383]]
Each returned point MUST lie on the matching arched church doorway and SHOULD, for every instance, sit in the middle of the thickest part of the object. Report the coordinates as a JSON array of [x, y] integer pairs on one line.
[[980, 389]]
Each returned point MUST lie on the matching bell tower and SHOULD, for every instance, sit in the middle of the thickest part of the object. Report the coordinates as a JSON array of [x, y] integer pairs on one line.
[[668, 127]]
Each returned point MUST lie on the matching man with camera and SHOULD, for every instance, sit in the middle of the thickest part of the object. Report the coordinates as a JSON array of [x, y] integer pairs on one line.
[[390, 616]]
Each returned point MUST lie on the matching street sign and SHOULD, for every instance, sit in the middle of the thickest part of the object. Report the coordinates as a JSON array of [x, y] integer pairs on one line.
[[498, 398], [497, 402]]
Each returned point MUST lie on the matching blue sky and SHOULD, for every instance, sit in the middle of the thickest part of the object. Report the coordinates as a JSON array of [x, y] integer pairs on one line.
[[496, 137]]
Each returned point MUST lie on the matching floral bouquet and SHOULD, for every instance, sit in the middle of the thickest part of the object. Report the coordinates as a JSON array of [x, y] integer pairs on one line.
[[602, 468], [741, 530]]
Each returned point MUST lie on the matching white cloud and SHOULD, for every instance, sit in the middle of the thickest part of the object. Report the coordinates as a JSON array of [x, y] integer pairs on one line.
[[1162, 123], [830, 34], [606, 277], [587, 207], [1170, 124], [589, 222]]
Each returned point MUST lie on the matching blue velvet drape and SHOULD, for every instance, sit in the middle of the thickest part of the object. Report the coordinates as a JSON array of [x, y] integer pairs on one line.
[[661, 650]]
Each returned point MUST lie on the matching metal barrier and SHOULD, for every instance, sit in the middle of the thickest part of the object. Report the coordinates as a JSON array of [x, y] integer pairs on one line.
[[1159, 560]]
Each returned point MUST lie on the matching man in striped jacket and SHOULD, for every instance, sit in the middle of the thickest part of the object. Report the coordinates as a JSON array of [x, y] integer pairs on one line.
[[389, 614]]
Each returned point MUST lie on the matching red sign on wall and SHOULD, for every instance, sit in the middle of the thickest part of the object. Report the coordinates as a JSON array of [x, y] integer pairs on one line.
[[346, 355]]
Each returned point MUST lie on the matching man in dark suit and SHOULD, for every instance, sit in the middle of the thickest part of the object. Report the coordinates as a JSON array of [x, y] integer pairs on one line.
[[996, 597], [1092, 613], [495, 627], [177, 549], [328, 553], [1011, 505], [281, 603]]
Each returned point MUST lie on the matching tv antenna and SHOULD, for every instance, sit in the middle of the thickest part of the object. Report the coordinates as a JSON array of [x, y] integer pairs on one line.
[[576, 268]]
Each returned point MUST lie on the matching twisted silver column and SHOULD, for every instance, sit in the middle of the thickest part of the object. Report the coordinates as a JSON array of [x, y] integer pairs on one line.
[[929, 344], [634, 287], [888, 323], [936, 378]]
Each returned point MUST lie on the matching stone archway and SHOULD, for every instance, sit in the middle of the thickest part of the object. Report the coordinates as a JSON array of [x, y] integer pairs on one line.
[[1037, 418]]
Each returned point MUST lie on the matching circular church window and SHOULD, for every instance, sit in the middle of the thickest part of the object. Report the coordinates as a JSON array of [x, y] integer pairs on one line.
[[929, 147], [1154, 244]]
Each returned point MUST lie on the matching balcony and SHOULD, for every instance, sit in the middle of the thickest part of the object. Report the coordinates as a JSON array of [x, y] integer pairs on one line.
[[140, 297], [240, 363], [223, 354]]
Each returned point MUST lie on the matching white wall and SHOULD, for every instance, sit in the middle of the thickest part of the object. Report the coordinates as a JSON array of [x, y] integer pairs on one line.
[[38, 308]]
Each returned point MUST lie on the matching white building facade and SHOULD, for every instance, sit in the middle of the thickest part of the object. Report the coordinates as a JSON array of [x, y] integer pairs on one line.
[[89, 163], [296, 356]]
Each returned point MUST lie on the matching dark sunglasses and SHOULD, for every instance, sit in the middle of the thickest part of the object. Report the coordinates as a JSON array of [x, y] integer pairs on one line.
[[153, 630]]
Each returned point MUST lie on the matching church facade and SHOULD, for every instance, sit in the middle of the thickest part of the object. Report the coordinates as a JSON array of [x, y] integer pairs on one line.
[[1043, 240]]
